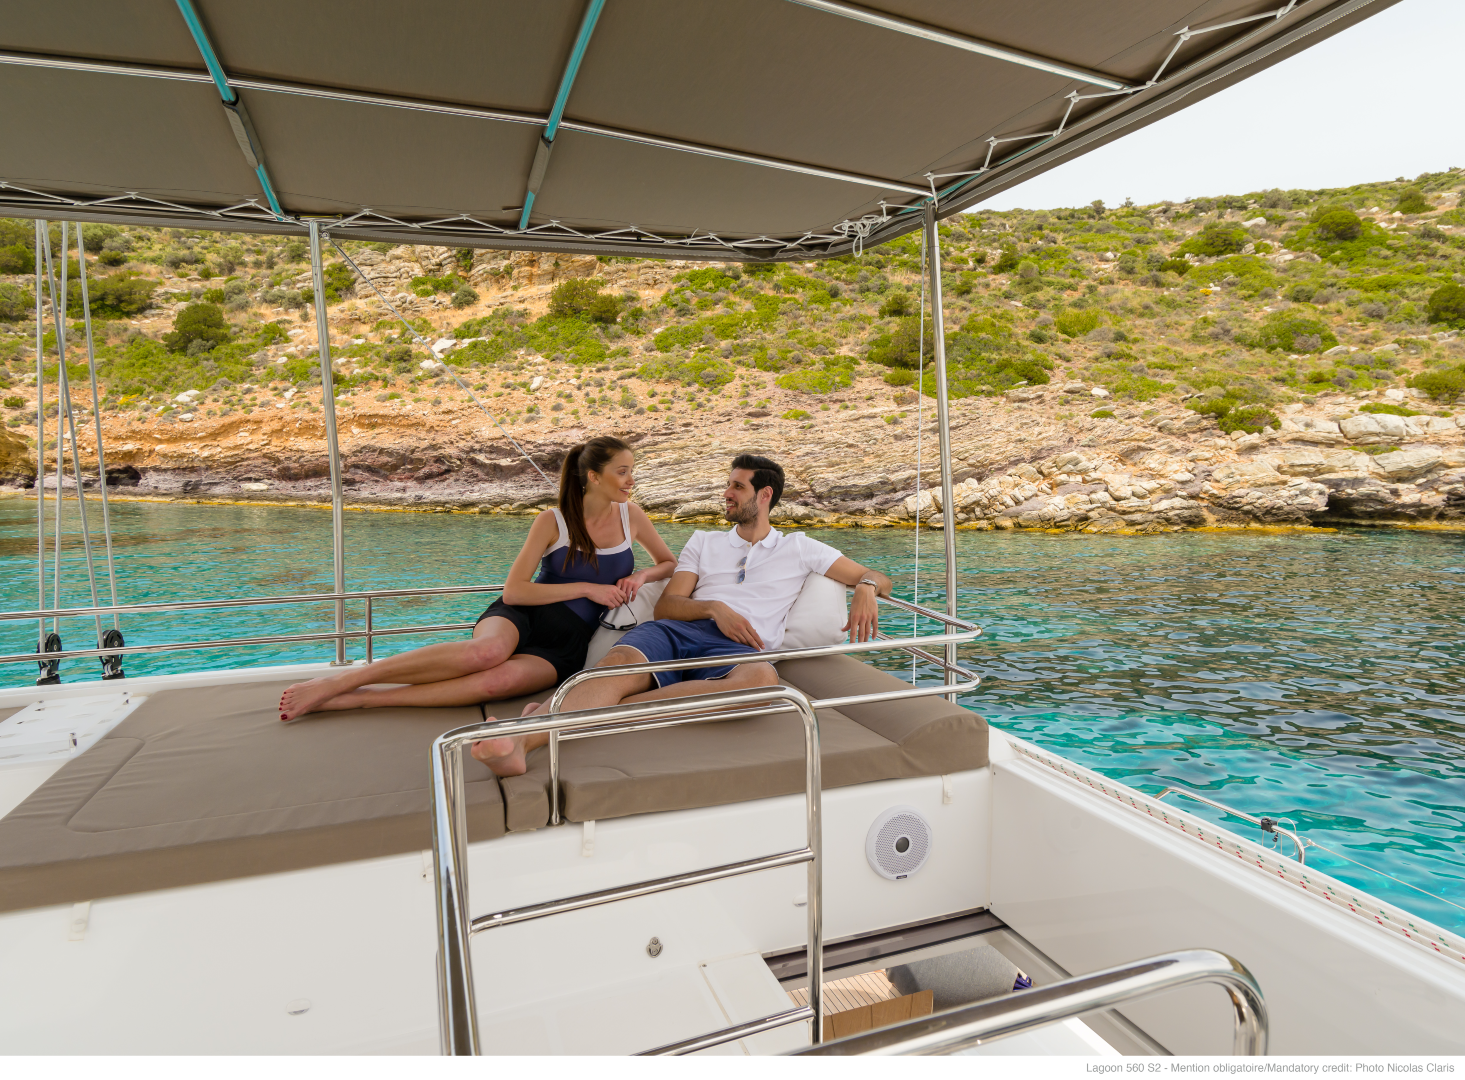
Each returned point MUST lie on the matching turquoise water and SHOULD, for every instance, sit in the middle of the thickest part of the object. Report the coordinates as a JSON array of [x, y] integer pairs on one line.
[[1319, 677]]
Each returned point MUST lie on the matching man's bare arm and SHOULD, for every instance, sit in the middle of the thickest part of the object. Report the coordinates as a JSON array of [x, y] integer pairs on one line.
[[864, 611], [676, 603]]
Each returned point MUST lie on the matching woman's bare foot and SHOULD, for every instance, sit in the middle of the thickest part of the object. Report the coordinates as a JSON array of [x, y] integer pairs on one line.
[[307, 697], [505, 756]]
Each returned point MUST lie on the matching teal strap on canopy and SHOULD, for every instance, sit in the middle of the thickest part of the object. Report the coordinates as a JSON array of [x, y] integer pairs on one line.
[[546, 142], [233, 107]]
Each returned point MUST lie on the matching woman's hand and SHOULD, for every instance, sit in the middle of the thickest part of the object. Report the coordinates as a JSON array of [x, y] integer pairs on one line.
[[631, 584], [610, 596]]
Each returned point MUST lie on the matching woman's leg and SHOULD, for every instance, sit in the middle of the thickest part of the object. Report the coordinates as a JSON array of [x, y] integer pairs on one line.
[[494, 641], [518, 675]]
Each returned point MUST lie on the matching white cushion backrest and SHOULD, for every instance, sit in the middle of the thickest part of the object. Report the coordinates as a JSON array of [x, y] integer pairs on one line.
[[817, 615], [643, 608]]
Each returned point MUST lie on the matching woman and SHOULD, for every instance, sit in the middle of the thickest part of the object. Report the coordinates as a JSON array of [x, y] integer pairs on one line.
[[536, 634]]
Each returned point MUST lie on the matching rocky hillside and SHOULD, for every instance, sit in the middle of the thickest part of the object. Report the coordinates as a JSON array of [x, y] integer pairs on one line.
[[1277, 358]]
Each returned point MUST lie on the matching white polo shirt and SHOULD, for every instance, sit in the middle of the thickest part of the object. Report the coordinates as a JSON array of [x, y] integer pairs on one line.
[[774, 573]]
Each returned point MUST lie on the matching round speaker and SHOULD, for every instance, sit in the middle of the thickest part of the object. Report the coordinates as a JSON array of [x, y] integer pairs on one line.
[[898, 843]]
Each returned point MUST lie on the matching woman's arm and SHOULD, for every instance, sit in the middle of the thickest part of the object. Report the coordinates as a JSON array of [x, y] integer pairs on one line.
[[520, 588], [645, 534]]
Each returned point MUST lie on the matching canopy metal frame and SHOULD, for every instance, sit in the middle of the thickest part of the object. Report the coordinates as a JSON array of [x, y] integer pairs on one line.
[[1081, 122]]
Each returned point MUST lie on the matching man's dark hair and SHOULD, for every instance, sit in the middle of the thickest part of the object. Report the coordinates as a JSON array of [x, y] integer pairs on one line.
[[767, 473]]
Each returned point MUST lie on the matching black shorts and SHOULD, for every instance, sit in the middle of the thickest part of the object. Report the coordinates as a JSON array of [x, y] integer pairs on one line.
[[550, 631]]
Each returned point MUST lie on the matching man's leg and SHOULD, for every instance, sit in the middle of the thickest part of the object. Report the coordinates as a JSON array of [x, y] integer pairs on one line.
[[494, 641], [505, 756]]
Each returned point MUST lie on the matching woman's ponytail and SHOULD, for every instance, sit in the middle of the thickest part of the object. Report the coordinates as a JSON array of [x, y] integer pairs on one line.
[[585, 458]]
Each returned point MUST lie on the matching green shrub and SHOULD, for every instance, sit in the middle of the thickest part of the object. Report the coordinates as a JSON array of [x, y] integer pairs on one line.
[[1292, 332], [15, 303], [1216, 239], [1007, 261], [1075, 323], [1174, 266], [817, 380], [116, 296], [1447, 305], [1412, 201], [14, 401], [1233, 415], [465, 296], [340, 282], [709, 279], [795, 414], [201, 322], [897, 305], [1386, 407], [95, 237], [581, 298], [1102, 414], [1445, 385], [902, 347], [900, 376], [1248, 418], [1339, 226], [702, 370]]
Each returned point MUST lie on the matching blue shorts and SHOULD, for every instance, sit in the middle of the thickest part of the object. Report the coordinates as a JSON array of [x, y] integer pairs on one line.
[[668, 639]]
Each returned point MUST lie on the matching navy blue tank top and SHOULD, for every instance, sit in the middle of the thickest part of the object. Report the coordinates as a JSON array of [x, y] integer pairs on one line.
[[611, 564]]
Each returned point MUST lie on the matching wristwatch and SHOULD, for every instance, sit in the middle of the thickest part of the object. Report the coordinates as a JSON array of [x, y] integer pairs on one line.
[[866, 581]]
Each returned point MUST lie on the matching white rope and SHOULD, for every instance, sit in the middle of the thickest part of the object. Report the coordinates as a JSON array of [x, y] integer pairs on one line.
[[91, 365], [860, 230], [64, 411], [426, 344]]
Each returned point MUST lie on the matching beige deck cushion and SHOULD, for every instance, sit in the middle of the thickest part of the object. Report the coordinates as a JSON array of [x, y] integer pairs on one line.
[[935, 737], [733, 761], [205, 784]]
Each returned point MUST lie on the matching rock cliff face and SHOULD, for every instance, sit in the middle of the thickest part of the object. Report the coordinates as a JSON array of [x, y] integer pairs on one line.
[[1018, 464], [17, 461]]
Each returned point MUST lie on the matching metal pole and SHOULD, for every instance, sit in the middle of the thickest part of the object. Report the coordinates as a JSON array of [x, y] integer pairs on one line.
[[60, 437], [328, 404], [40, 448], [943, 419], [91, 365]]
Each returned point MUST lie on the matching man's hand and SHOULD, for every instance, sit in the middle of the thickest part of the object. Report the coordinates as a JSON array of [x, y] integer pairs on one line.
[[864, 614], [735, 627]]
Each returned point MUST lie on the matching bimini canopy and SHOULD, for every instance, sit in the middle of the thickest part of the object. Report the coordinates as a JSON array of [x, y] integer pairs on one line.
[[752, 129]]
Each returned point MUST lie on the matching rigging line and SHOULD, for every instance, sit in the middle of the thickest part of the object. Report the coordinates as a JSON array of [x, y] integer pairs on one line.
[[91, 365], [64, 385], [40, 446], [424, 342], [1391, 877]]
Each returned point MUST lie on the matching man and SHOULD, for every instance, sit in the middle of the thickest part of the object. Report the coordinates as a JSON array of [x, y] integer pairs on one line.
[[731, 593]]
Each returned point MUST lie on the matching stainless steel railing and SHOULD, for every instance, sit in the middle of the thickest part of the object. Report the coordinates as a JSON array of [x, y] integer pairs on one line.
[[960, 1029], [458, 1012], [967, 631], [370, 632], [1266, 824]]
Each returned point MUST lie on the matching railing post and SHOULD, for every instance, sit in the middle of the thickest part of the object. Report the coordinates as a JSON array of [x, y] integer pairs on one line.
[[458, 1014], [41, 447], [943, 419], [328, 407], [368, 630]]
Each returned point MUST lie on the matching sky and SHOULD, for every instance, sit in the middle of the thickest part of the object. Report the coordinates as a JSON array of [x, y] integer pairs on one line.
[[1378, 101]]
